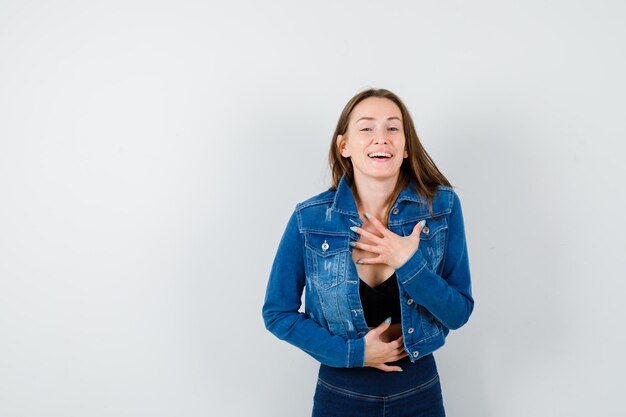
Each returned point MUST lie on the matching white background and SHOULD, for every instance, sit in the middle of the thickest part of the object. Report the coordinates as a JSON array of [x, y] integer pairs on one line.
[[151, 153]]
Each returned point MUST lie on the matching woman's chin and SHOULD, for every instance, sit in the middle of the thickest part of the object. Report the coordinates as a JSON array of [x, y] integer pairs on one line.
[[379, 174]]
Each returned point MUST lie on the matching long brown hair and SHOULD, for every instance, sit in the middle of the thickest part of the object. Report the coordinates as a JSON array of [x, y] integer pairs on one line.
[[418, 167]]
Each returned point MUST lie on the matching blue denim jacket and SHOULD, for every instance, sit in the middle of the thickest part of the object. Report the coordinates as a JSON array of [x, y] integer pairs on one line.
[[314, 252]]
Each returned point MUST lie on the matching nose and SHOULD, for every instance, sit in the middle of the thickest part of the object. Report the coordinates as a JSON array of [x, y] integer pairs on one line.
[[380, 139]]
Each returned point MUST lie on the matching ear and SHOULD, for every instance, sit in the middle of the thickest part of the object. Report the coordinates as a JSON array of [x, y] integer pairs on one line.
[[341, 145], [406, 153]]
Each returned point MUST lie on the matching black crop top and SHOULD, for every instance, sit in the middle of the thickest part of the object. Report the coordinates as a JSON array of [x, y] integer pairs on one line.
[[380, 302]]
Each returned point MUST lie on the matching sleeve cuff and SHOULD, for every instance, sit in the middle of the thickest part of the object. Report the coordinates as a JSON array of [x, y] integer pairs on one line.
[[356, 353], [411, 268]]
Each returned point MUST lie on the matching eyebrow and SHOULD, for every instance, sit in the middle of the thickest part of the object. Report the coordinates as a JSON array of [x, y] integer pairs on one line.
[[371, 118]]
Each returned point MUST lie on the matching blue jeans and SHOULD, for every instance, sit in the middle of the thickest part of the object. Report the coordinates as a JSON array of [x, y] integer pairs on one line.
[[365, 392]]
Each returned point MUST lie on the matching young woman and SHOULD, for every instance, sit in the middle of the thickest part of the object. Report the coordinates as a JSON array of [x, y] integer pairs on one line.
[[383, 257]]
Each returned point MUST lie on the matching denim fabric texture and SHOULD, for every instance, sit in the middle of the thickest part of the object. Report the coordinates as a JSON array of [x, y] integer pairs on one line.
[[315, 256], [423, 401], [363, 392]]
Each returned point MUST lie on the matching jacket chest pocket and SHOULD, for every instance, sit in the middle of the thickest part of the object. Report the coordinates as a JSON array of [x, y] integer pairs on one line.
[[326, 257], [432, 239]]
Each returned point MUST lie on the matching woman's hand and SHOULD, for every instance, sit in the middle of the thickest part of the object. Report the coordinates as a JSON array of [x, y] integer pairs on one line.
[[377, 352], [392, 250]]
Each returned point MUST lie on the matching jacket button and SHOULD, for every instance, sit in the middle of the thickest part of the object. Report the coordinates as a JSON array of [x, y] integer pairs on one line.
[[409, 301], [395, 211], [426, 230], [416, 354], [410, 330]]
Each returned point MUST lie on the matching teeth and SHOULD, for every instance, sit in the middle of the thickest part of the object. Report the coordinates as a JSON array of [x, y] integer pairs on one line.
[[383, 154]]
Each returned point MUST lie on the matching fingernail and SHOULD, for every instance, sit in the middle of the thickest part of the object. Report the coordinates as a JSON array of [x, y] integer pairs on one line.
[[353, 228], [423, 223], [367, 215], [388, 320], [360, 262], [400, 370], [353, 244]]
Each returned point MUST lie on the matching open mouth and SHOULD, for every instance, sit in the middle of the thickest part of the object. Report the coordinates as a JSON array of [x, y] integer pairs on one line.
[[380, 155]]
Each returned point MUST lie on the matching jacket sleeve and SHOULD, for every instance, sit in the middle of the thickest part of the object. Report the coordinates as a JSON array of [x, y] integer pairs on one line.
[[448, 297], [282, 304]]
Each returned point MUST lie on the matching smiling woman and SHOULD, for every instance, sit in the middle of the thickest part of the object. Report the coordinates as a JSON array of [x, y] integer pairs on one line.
[[377, 143], [386, 240]]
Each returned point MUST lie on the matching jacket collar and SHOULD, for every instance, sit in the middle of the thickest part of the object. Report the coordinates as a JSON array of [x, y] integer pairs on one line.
[[344, 200], [409, 194]]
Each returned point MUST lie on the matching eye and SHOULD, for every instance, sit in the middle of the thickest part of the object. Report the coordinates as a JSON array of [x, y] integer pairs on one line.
[[394, 128], [365, 129]]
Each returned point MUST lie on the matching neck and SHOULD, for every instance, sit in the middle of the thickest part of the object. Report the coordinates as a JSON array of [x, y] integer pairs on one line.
[[373, 195]]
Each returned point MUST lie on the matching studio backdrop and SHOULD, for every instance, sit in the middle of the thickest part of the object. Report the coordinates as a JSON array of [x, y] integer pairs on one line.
[[151, 153]]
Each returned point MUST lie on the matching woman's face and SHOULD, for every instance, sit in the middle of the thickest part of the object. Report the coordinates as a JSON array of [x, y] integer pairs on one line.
[[375, 139]]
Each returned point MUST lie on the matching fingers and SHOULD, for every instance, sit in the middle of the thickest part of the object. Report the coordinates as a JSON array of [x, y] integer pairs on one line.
[[388, 357], [393, 348], [383, 326], [397, 357], [379, 353], [377, 224], [374, 334], [372, 261], [366, 247], [418, 228], [393, 351], [397, 344], [374, 238], [396, 350], [388, 368]]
